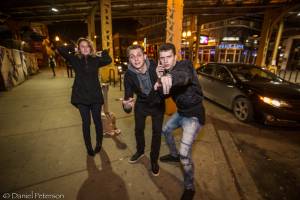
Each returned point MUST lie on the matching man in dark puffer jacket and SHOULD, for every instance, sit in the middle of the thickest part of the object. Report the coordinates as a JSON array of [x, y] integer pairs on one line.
[[179, 80]]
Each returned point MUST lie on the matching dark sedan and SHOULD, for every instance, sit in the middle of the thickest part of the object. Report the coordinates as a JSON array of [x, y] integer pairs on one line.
[[251, 92]]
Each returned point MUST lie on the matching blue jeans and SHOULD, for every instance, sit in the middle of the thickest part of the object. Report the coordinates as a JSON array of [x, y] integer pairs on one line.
[[191, 128]]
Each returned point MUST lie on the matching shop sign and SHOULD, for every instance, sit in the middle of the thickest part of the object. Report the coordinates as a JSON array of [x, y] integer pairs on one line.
[[231, 46]]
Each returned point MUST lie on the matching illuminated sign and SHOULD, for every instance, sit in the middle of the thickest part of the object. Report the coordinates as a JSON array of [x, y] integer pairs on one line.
[[230, 39], [231, 46], [203, 39]]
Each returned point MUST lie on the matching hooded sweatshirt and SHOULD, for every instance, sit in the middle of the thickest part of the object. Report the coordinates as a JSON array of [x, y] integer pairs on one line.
[[144, 79]]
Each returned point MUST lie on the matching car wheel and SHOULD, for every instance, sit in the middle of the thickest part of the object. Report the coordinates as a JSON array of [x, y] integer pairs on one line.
[[242, 109]]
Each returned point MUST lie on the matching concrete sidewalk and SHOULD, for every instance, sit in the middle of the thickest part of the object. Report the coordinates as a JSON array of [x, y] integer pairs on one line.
[[42, 153]]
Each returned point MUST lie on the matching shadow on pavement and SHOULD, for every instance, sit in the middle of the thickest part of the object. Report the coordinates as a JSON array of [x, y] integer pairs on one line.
[[102, 182], [120, 145], [169, 185]]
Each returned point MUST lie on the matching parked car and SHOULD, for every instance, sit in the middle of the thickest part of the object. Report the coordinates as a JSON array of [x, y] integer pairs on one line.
[[251, 92]]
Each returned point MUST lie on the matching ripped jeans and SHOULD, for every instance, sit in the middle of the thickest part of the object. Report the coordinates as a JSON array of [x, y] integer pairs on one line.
[[191, 128]]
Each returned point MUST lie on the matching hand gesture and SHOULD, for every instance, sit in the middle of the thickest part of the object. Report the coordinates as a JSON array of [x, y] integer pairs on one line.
[[159, 70], [157, 85], [128, 104], [166, 82]]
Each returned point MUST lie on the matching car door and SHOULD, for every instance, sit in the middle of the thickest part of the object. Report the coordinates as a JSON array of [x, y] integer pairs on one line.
[[205, 75], [224, 89]]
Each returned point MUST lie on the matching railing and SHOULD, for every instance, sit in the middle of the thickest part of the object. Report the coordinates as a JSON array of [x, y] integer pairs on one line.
[[112, 77], [288, 75]]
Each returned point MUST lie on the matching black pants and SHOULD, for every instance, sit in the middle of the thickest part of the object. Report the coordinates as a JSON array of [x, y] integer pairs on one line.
[[140, 114], [53, 71], [85, 111], [69, 71]]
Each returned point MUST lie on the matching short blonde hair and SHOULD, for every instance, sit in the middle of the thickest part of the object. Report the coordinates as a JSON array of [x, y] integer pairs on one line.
[[90, 43], [132, 47]]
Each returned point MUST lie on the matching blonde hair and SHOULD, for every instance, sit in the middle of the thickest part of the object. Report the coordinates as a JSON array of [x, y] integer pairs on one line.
[[90, 44]]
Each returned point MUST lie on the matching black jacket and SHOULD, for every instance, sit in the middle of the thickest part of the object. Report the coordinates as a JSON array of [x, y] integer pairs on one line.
[[186, 91], [132, 86], [86, 86]]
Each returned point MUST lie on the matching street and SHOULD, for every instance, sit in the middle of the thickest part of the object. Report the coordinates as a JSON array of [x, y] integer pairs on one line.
[[271, 154]]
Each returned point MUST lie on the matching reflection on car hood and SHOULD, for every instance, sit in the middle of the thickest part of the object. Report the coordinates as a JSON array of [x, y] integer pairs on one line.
[[282, 90]]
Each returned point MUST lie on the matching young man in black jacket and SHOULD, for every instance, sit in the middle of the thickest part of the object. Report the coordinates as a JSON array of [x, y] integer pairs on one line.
[[179, 80], [139, 79]]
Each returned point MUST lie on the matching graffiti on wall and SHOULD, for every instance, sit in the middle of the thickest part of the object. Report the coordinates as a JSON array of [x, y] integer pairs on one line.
[[15, 66]]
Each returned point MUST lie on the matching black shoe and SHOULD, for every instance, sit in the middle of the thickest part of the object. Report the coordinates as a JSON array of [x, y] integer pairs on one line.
[[188, 194], [135, 157], [169, 158], [155, 168]]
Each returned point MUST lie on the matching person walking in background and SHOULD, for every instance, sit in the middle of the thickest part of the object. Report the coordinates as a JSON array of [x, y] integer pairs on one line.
[[86, 93], [179, 80], [139, 79], [69, 69], [52, 64]]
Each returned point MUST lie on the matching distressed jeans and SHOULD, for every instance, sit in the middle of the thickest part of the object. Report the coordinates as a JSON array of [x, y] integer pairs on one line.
[[191, 128]]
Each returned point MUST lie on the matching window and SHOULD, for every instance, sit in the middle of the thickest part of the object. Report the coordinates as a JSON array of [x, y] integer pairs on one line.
[[208, 69], [222, 74]]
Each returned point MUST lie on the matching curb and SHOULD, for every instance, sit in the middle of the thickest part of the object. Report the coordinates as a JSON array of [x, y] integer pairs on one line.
[[244, 183]]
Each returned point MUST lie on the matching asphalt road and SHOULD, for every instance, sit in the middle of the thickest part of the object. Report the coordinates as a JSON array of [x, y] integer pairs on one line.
[[271, 154]]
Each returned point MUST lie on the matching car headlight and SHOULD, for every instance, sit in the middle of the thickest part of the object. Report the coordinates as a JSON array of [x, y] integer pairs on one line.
[[274, 102]]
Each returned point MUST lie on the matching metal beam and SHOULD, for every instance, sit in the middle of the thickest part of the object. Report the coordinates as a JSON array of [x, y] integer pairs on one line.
[[107, 41]]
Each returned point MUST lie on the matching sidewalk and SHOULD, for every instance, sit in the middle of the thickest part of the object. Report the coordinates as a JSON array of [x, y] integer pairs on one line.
[[42, 151]]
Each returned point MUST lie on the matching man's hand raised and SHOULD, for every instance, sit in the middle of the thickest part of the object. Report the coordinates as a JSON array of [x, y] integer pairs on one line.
[[166, 82]]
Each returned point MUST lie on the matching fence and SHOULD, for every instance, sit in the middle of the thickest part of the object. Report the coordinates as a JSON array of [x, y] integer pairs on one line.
[[288, 75]]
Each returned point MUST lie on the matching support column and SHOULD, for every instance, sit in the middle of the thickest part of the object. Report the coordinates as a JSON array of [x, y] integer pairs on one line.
[[196, 61], [107, 42], [174, 29], [193, 29], [91, 26], [269, 17], [174, 24], [278, 38]]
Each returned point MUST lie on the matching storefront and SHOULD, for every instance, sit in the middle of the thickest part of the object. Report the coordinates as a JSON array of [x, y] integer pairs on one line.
[[230, 52]]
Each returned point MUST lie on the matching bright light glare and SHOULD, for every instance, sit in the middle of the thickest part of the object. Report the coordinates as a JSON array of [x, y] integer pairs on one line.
[[274, 102], [189, 33], [54, 9]]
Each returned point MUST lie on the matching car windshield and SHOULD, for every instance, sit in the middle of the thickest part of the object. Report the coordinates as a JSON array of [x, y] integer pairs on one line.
[[252, 73]]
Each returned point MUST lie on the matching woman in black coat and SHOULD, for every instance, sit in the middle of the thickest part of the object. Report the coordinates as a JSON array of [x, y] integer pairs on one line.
[[86, 93]]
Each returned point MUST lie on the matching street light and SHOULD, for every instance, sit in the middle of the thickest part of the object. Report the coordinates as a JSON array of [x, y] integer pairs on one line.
[[57, 38], [189, 33], [54, 9]]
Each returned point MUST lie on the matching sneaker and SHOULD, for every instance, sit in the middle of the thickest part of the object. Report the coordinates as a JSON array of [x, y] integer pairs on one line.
[[188, 194], [169, 158], [155, 169], [135, 157]]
